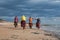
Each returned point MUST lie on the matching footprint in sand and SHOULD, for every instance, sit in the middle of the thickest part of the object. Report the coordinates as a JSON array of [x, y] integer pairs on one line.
[[14, 36], [44, 39], [35, 32], [48, 34]]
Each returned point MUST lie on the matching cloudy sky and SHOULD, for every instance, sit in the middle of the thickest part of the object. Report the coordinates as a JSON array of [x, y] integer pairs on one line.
[[48, 8]]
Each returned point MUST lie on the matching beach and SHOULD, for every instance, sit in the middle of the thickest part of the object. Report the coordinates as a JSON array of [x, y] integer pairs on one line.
[[8, 32]]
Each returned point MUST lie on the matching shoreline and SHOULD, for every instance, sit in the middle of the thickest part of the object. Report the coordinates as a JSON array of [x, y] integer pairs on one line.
[[53, 34], [9, 29]]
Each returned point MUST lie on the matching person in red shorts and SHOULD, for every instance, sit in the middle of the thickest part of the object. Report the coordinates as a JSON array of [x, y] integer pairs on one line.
[[30, 22]]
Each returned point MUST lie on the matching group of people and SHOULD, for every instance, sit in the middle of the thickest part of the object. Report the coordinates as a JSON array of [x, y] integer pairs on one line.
[[23, 22]]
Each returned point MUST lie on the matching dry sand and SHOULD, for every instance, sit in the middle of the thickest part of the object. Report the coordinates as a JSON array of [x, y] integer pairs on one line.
[[8, 32]]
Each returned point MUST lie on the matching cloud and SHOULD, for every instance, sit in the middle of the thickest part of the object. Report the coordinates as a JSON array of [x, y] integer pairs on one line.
[[28, 9], [1, 8], [56, 1], [49, 10], [5, 1], [43, 1], [19, 6], [36, 1]]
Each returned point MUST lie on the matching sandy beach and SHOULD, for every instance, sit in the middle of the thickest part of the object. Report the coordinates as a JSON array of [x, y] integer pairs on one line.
[[8, 32]]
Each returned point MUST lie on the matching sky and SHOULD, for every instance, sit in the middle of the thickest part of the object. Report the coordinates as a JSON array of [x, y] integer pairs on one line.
[[44, 8]]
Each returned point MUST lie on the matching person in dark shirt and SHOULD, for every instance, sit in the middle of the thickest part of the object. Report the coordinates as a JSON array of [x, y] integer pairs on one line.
[[38, 23]]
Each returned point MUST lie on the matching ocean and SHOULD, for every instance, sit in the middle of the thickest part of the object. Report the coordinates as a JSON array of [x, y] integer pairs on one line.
[[47, 23]]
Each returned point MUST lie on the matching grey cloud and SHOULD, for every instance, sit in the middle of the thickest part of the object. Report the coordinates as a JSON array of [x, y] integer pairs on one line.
[[20, 7]]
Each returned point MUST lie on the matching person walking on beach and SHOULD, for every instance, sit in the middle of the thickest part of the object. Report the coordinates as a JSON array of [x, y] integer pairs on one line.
[[15, 21], [38, 23], [30, 22], [23, 21]]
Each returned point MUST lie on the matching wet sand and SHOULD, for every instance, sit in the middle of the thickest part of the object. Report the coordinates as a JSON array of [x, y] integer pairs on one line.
[[8, 32]]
